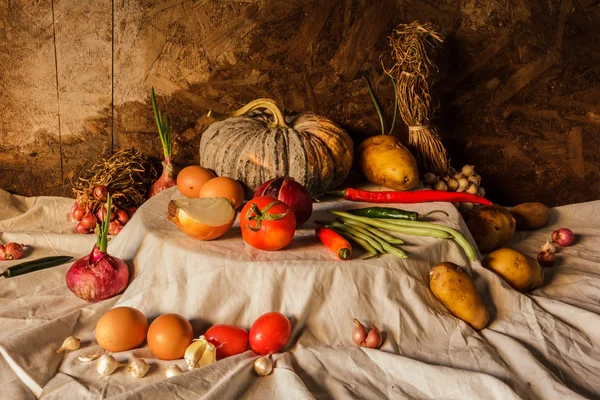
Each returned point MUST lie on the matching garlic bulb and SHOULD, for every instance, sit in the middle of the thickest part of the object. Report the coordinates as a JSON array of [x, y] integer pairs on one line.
[[107, 364], [549, 246], [462, 184], [200, 353], [173, 370], [263, 365], [138, 368], [70, 343]]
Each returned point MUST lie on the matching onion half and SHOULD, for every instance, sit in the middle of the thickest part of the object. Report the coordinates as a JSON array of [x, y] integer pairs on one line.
[[202, 218]]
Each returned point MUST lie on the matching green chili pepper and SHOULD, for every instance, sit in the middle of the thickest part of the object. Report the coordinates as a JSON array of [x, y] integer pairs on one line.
[[392, 213], [35, 265]]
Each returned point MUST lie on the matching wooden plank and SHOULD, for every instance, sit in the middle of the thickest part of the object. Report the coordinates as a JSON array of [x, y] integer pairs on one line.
[[360, 39], [84, 65], [311, 26], [524, 76], [575, 151], [29, 128]]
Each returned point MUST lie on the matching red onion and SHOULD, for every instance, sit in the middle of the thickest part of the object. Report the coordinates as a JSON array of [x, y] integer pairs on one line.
[[563, 236], [122, 216], [77, 212], [290, 192], [100, 192], [166, 180], [81, 229], [98, 276], [89, 221], [114, 227], [546, 258], [11, 251]]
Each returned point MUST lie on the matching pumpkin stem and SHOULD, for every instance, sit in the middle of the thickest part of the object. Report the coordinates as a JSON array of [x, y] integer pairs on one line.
[[278, 118]]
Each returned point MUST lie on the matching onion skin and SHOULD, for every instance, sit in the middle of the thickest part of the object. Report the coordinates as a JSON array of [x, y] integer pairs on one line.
[[166, 180], [291, 193], [97, 276]]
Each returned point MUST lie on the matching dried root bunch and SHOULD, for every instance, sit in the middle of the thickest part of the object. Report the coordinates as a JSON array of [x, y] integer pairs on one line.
[[412, 48], [127, 175]]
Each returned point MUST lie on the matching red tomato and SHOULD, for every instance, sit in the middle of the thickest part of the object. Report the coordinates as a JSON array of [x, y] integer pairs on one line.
[[229, 340], [267, 223], [269, 333]]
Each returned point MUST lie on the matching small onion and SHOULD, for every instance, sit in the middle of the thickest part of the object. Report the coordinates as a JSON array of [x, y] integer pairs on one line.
[[546, 258], [563, 236]]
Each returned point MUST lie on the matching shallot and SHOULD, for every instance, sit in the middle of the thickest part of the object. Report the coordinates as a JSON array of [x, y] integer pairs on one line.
[[563, 236], [373, 340], [167, 179], [100, 192], [546, 258], [11, 251], [98, 276], [359, 334], [77, 212], [360, 337], [89, 221]]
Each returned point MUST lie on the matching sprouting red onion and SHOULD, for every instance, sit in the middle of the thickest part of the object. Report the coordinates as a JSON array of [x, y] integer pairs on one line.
[[122, 216], [546, 258], [563, 236], [166, 180], [98, 276], [100, 192], [290, 192], [77, 212], [11, 251], [89, 221]]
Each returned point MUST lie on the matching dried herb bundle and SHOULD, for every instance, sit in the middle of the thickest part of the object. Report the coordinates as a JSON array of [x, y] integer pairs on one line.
[[127, 174], [412, 47]]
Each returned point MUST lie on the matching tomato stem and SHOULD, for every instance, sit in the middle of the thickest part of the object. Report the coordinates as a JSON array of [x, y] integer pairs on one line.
[[260, 216]]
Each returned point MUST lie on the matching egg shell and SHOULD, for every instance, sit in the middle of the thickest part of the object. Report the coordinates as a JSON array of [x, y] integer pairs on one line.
[[121, 329], [224, 186], [191, 179], [169, 336]]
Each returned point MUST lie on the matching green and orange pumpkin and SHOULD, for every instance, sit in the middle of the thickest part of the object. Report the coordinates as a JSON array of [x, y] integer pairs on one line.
[[253, 147]]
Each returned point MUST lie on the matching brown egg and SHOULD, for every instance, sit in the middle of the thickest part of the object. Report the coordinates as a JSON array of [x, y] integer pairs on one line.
[[224, 187], [120, 329], [191, 179], [169, 335]]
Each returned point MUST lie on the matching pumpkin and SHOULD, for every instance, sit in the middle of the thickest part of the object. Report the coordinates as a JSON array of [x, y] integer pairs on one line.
[[254, 147]]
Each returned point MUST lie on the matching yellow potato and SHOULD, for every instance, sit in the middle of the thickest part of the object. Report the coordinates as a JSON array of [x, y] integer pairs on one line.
[[385, 161], [491, 227], [451, 285], [529, 216], [521, 272]]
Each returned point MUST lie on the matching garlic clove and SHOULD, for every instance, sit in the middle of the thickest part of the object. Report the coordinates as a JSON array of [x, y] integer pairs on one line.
[[462, 184], [481, 191], [549, 246], [88, 357], [471, 189], [107, 364], [429, 178], [263, 365], [173, 370], [452, 184], [468, 170], [457, 176], [200, 353], [138, 368], [70, 343], [440, 185]]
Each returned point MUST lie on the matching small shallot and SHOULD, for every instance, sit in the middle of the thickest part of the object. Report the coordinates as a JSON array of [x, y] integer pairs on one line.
[[563, 236], [373, 340], [546, 258], [359, 334], [11, 251]]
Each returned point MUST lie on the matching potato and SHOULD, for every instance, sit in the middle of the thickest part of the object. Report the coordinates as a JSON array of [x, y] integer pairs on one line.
[[451, 285], [491, 226], [531, 216], [385, 161], [521, 272]]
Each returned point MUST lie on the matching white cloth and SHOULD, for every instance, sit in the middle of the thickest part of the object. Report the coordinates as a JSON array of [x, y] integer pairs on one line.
[[544, 344]]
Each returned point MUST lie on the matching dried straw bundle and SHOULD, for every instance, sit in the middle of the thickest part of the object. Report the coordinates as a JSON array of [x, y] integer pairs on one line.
[[127, 174], [412, 46]]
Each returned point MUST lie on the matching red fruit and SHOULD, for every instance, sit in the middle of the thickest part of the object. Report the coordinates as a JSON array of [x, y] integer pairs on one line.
[[228, 339], [269, 333], [290, 192]]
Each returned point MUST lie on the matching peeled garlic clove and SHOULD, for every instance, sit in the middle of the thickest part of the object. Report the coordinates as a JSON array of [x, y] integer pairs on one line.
[[88, 357], [200, 353], [70, 343], [263, 365], [173, 370], [138, 368], [107, 364]]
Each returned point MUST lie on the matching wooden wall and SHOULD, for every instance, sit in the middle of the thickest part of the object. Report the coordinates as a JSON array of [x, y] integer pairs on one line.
[[518, 92]]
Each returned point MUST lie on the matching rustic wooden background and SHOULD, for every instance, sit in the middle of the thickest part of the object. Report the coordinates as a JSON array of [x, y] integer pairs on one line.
[[517, 96]]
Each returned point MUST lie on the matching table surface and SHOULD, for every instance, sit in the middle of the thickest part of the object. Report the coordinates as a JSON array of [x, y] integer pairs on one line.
[[543, 344]]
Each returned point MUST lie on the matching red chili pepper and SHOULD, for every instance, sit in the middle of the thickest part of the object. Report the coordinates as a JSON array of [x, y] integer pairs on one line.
[[418, 196]]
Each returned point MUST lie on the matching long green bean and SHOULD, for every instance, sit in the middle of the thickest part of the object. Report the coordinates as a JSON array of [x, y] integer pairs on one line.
[[387, 247], [362, 243], [388, 238], [352, 231]]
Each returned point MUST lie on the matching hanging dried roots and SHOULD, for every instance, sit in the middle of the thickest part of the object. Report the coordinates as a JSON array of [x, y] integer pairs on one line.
[[412, 47], [127, 174]]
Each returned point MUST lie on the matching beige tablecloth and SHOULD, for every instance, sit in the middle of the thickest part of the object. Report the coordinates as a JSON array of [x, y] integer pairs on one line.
[[544, 344]]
